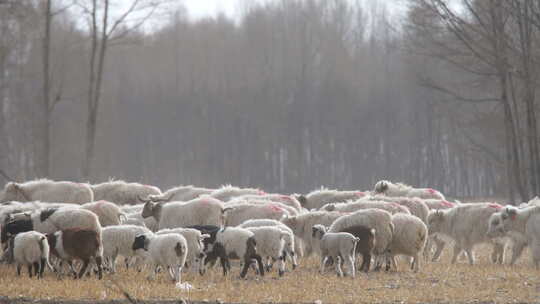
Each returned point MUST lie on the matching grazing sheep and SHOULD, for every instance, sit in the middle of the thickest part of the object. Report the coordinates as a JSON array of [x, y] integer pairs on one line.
[[166, 250], [361, 204], [77, 244], [390, 189], [365, 245], [288, 200], [51, 220], [416, 206], [435, 239], [109, 214], [48, 191], [194, 238], [301, 226], [226, 193], [318, 198], [341, 246], [524, 224], [410, 235], [181, 194], [31, 249], [10, 208], [210, 230], [466, 224], [271, 244], [204, 210], [118, 240], [240, 212], [122, 193], [291, 244], [377, 219], [235, 243]]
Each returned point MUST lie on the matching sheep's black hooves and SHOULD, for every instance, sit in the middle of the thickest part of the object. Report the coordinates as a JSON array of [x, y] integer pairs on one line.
[[281, 273]]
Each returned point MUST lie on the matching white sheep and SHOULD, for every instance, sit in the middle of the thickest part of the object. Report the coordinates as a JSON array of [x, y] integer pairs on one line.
[[390, 189], [416, 206], [228, 192], [48, 191], [118, 240], [523, 224], [410, 236], [10, 208], [181, 194], [122, 193], [340, 246], [288, 200], [466, 224], [318, 198], [31, 249], [109, 214], [301, 226], [204, 210], [235, 243], [166, 250], [271, 244], [292, 245], [242, 211], [137, 219], [377, 219], [361, 204], [194, 238]]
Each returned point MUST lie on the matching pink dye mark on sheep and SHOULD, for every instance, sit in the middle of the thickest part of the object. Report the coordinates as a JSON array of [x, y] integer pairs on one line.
[[286, 198], [431, 191], [496, 206], [513, 217], [275, 208], [360, 194], [261, 192], [447, 204]]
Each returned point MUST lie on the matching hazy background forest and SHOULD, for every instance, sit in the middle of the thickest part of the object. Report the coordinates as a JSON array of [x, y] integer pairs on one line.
[[287, 95]]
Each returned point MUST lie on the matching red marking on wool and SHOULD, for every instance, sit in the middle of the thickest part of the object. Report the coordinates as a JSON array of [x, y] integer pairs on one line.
[[275, 208], [286, 197], [261, 192], [360, 194], [431, 191], [447, 204], [513, 217], [496, 206]]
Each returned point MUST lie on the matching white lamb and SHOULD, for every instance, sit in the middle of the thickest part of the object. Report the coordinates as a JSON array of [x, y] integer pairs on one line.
[[341, 246], [271, 244], [166, 250], [48, 191], [466, 224], [390, 189], [31, 249], [525, 223], [204, 210], [118, 240], [194, 239], [410, 235]]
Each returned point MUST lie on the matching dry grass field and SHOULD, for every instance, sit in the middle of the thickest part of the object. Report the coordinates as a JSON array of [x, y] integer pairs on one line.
[[436, 282]]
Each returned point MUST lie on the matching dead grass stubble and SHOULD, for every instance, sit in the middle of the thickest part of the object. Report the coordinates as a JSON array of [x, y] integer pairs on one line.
[[436, 282]]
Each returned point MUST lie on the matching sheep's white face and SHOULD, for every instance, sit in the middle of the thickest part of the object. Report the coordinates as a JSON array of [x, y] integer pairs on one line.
[[496, 225], [435, 221]]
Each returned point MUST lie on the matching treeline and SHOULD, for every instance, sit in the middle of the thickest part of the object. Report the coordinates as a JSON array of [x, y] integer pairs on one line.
[[293, 95]]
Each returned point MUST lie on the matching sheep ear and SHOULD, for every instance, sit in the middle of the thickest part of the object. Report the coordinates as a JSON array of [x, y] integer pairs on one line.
[[330, 207], [148, 209], [302, 200], [373, 231]]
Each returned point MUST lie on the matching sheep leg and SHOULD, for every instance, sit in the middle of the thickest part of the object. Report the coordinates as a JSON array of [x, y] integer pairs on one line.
[[457, 251], [43, 263], [294, 261], [323, 262], [351, 265], [99, 262], [416, 263], [30, 270], [19, 269], [439, 244], [338, 266], [83, 269], [36, 269], [497, 255], [470, 255], [153, 272], [517, 250], [259, 260], [179, 274], [281, 265]]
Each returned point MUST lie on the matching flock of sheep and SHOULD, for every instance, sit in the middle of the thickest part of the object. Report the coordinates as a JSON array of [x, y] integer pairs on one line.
[[50, 224]]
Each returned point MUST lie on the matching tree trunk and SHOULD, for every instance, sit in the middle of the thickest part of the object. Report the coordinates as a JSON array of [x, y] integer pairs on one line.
[[45, 157]]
